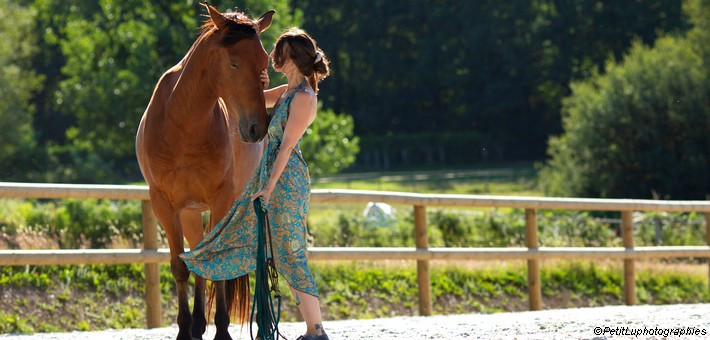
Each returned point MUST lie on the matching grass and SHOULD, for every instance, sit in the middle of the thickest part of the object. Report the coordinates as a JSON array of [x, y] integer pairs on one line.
[[487, 179], [516, 179], [93, 297]]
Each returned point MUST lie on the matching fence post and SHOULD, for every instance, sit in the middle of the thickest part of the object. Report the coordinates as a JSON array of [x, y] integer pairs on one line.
[[627, 233], [534, 289], [422, 242], [154, 315]]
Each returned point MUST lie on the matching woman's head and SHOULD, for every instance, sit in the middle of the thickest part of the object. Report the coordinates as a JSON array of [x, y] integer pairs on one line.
[[295, 48]]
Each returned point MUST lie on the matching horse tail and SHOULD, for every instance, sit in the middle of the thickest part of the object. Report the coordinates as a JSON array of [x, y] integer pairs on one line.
[[238, 298], [236, 292]]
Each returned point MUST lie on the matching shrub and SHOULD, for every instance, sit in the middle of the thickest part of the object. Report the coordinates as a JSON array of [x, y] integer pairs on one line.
[[77, 223], [639, 130], [329, 144]]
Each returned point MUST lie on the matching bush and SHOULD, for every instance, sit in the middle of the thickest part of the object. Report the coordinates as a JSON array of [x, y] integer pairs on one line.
[[352, 230], [640, 130], [675, 229], [76, 223], [329, 145]]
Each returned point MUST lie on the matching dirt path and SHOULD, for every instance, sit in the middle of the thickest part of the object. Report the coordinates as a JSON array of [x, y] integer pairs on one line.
[[549, 324]]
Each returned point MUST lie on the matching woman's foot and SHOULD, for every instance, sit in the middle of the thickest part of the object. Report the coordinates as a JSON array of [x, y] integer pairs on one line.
[[322, 336]]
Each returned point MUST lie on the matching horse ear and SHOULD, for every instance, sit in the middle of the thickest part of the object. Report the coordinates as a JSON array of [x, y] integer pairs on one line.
[[265, 20], [217, 18]]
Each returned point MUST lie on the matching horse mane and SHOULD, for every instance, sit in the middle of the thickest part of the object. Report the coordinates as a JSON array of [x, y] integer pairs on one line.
[[239, 27]]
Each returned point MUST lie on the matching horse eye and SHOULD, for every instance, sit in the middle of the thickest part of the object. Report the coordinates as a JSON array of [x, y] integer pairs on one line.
[[233, 65]]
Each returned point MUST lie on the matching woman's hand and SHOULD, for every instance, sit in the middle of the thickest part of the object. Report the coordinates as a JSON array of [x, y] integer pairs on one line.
[[265, 193], [264, 76]]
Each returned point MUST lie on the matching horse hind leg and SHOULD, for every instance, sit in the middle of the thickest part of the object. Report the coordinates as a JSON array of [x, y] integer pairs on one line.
[[170, 221], [191, 221]]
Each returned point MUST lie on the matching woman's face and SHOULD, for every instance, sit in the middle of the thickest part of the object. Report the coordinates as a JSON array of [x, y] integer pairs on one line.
[[273, 62], [284, 59]]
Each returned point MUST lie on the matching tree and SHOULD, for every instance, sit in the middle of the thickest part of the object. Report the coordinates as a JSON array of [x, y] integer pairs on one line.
[[103, 60], [17, 81], [641, 129], [494, 70]]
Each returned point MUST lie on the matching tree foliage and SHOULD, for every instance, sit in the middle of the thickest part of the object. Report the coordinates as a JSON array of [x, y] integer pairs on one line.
[[641, 128], [100, 61], [17, 81], [328, 144], [496, 69], [113, 59], [438, 82]]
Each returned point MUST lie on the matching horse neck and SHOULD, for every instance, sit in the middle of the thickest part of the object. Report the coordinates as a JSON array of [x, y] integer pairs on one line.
[[193, 97]]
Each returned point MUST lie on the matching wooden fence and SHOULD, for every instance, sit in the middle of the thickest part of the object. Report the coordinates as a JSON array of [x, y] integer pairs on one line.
[[150, 255]]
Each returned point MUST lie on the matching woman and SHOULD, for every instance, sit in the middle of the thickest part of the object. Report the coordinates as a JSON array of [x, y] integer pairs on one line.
[[281, 181]]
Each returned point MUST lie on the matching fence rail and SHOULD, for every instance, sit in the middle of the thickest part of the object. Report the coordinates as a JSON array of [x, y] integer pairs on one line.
[[150, 255], [125, 256]]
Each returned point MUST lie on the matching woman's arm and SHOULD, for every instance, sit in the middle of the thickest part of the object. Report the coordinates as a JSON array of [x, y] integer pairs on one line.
[[272, 95], [302, 113]]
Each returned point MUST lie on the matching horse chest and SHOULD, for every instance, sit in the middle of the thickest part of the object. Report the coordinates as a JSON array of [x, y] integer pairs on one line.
[[195, 161]]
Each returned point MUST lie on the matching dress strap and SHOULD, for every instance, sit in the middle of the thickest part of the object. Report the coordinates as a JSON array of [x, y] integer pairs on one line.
[[300, 86]]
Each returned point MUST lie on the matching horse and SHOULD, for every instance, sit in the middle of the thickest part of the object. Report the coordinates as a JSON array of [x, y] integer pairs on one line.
[[198, 142]]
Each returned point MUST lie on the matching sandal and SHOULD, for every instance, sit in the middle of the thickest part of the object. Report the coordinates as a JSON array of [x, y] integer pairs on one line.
[[323, 336]]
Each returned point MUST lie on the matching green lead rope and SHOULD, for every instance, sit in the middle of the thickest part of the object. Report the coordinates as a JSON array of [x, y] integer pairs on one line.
[[266, 320]]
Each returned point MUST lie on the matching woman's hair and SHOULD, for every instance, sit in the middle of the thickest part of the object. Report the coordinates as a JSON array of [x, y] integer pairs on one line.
[[298, 46]]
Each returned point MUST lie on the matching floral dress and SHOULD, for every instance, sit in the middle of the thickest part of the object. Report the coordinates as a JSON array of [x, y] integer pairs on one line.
[[229, 249]]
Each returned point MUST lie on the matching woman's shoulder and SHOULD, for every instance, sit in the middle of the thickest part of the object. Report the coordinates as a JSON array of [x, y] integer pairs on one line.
[[305, 96], [304, 106]]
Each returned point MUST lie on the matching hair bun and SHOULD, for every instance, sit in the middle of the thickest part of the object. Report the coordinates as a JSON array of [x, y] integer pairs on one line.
[[319, 57], [321, 65]]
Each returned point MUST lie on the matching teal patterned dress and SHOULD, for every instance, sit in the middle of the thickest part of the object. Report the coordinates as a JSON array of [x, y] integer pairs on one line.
[[229, 249]]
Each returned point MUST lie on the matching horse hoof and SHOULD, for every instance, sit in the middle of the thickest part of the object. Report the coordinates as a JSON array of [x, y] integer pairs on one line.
[[222, 337], [183, 336], [196, 335]]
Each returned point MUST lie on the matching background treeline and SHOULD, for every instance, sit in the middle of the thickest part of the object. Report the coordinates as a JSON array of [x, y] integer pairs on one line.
[[76, 77], [415, 84], [453, 82]]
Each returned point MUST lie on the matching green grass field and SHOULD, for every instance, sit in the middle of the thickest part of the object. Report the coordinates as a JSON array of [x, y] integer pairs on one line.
[[509, 179], [518, 179]]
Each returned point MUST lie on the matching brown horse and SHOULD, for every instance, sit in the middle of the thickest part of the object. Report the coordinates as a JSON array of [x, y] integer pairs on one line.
[[197, 147]]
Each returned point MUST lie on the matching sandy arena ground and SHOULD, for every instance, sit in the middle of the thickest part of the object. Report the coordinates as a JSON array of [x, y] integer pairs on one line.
[[578, 323]]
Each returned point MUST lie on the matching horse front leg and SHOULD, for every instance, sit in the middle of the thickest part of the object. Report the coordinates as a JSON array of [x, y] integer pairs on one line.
[[170, 221], [181, 275], [199, 322], [221, 316], [219, 207], [191, 221]]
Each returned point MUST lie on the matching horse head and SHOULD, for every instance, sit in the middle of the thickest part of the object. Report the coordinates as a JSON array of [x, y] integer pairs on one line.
[[235, 65]]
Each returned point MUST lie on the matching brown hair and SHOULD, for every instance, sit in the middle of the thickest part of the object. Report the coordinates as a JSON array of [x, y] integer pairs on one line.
[[298, 46]]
